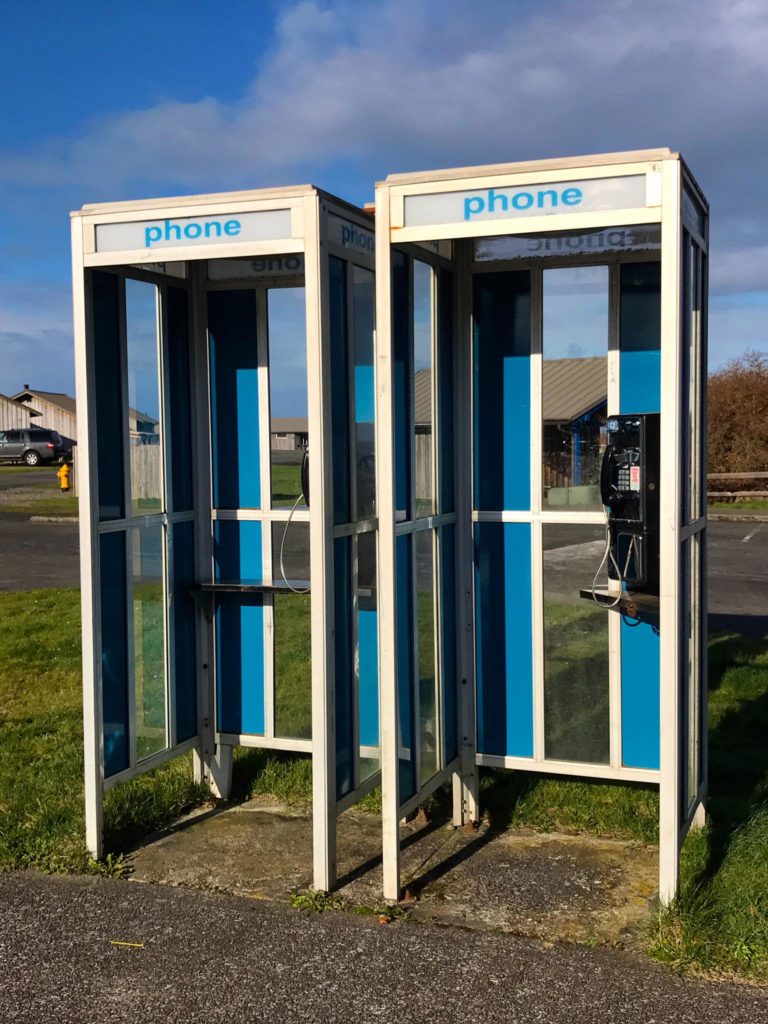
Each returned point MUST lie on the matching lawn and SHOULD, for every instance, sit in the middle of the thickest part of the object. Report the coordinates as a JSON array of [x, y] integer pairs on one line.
[[35, 497], [719, 924]]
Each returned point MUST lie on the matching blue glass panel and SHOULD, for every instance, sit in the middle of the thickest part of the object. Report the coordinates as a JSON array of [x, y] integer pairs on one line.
[[234, 399], [337, 292], [503, 630], [114, 651], [240, 664], [405, 679], [640, 391], [344, 660], [184, 634], [237, 550], [448, 632], [401, 344], [367, 640], [502, 349], [445, 403], [107, 383], [640, 320], [180, 419]]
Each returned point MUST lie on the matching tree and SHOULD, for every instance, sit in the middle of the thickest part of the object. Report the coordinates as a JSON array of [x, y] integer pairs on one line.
[[738, 416]]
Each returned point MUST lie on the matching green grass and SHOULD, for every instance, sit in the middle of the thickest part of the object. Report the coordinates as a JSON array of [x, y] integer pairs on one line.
[[718, 924], [286, 485], [38, 498], [720, 921], [41, 746], [739, 505]]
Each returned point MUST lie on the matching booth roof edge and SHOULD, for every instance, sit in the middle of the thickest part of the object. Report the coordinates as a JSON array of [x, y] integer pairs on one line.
[[551, 164], [162, 202]]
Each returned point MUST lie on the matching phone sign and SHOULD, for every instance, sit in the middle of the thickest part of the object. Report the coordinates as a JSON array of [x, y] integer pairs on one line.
[[634, 478]]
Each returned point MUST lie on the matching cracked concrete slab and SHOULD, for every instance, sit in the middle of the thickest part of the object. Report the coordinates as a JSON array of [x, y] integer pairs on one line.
[[551, 887]]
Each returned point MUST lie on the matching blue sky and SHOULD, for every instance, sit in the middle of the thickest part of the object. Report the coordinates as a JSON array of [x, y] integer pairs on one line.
[[119, 101]]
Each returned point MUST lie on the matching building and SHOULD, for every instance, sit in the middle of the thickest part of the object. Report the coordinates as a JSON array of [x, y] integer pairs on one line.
[[289, 434], [51, 410], [12, 415]]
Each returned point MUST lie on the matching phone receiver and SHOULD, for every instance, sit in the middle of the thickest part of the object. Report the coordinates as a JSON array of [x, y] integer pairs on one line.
[[605, 475], [305, 477]]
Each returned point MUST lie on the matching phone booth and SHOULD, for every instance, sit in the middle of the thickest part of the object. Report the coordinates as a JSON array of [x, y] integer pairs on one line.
[[225, 392], [541, 373]]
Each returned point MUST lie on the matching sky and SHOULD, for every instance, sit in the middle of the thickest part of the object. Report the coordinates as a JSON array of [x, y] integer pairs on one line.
[[124, 101]]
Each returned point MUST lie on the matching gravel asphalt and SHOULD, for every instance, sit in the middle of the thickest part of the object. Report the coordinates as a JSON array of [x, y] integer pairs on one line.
[[211, 958]]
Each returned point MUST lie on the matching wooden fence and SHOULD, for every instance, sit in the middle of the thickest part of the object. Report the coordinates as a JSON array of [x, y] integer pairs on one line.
[[737, 494]]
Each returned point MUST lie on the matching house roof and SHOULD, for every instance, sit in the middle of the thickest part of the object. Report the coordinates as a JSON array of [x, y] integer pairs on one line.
[[572, 387], [59, 398], [290, 425]]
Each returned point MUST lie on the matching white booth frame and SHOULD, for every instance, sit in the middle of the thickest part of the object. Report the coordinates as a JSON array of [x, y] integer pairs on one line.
[[668, 184], [309, 210]]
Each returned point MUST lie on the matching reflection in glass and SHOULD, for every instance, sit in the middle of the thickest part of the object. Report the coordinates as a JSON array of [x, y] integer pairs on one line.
[[690, 598], [363, 327], [144, 430], [289, 436], [425, 638], [575, 384], [293, 675], [149, 640], [292, 540], [635, 238], [367, 654], [692, 332], [576, 693], [423, 412]]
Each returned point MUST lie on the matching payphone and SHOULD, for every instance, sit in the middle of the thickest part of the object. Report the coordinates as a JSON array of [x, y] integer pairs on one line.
[[629, 490]]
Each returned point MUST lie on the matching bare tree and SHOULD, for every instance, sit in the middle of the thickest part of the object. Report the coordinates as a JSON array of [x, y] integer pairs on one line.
[[738, 416]]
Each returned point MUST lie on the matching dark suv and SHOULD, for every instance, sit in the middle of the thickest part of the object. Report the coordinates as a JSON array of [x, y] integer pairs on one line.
[[32, 445]]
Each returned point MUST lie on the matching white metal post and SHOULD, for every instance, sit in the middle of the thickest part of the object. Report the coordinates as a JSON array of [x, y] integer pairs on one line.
[[385, 496], [466, 780], [89, 562], [321, 553], [669, 535]]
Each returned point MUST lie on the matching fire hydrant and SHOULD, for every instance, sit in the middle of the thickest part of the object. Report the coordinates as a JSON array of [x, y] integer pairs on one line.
[[63, 475]]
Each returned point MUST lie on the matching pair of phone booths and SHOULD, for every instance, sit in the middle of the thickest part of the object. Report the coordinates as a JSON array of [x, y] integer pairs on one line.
[[439, 381]]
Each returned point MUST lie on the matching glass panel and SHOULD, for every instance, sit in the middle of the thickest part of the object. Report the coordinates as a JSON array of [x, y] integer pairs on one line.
[[641, 238], [179, 381], [235, 412], [114, 652], [425, 633], [289, 436], [184, 631], [108, 375], [367, 653], [575, 384], [576, 694], [144, 398], [363, 327], [694, 386], [149, 640], [423, 412], [693, 668], [290, 553], [293, 682]]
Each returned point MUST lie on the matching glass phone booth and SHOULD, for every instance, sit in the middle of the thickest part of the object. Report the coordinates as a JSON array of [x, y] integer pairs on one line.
[[225, 386], [520, 309]]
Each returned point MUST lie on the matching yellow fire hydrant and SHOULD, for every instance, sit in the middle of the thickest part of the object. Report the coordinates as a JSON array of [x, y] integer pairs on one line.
[[63, 475]]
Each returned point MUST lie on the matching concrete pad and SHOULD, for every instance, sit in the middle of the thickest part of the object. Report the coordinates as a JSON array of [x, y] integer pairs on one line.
[[551, 887]]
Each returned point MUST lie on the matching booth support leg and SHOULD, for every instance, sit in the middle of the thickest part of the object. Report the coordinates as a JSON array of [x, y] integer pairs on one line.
[[700, 816], [219, 772]]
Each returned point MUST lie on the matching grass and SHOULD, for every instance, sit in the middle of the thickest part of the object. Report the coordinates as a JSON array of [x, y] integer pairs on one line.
[[739, 505], [40, 498], [718, 924], [286, 484], [41, 746], [720, 920]]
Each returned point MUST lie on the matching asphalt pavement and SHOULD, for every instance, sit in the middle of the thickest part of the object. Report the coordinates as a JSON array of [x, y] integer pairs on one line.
[[93, 950]]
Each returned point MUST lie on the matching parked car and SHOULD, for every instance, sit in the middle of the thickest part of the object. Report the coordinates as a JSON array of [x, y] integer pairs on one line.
[[34, 446]]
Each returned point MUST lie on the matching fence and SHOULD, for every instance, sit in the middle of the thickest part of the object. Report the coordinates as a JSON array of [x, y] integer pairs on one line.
[[754, 493]]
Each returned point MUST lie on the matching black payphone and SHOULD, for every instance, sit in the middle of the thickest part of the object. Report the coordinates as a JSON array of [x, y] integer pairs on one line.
[[629, 489]]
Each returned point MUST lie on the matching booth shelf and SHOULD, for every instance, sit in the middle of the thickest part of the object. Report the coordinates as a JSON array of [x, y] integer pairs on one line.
[[644, 607], [205, 593]]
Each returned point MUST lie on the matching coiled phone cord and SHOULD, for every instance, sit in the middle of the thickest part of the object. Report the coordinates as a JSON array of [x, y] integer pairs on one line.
[[608, 554], [294, 590]]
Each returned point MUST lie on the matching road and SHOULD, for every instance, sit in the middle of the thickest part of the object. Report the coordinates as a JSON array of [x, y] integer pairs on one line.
[[214, 958]]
